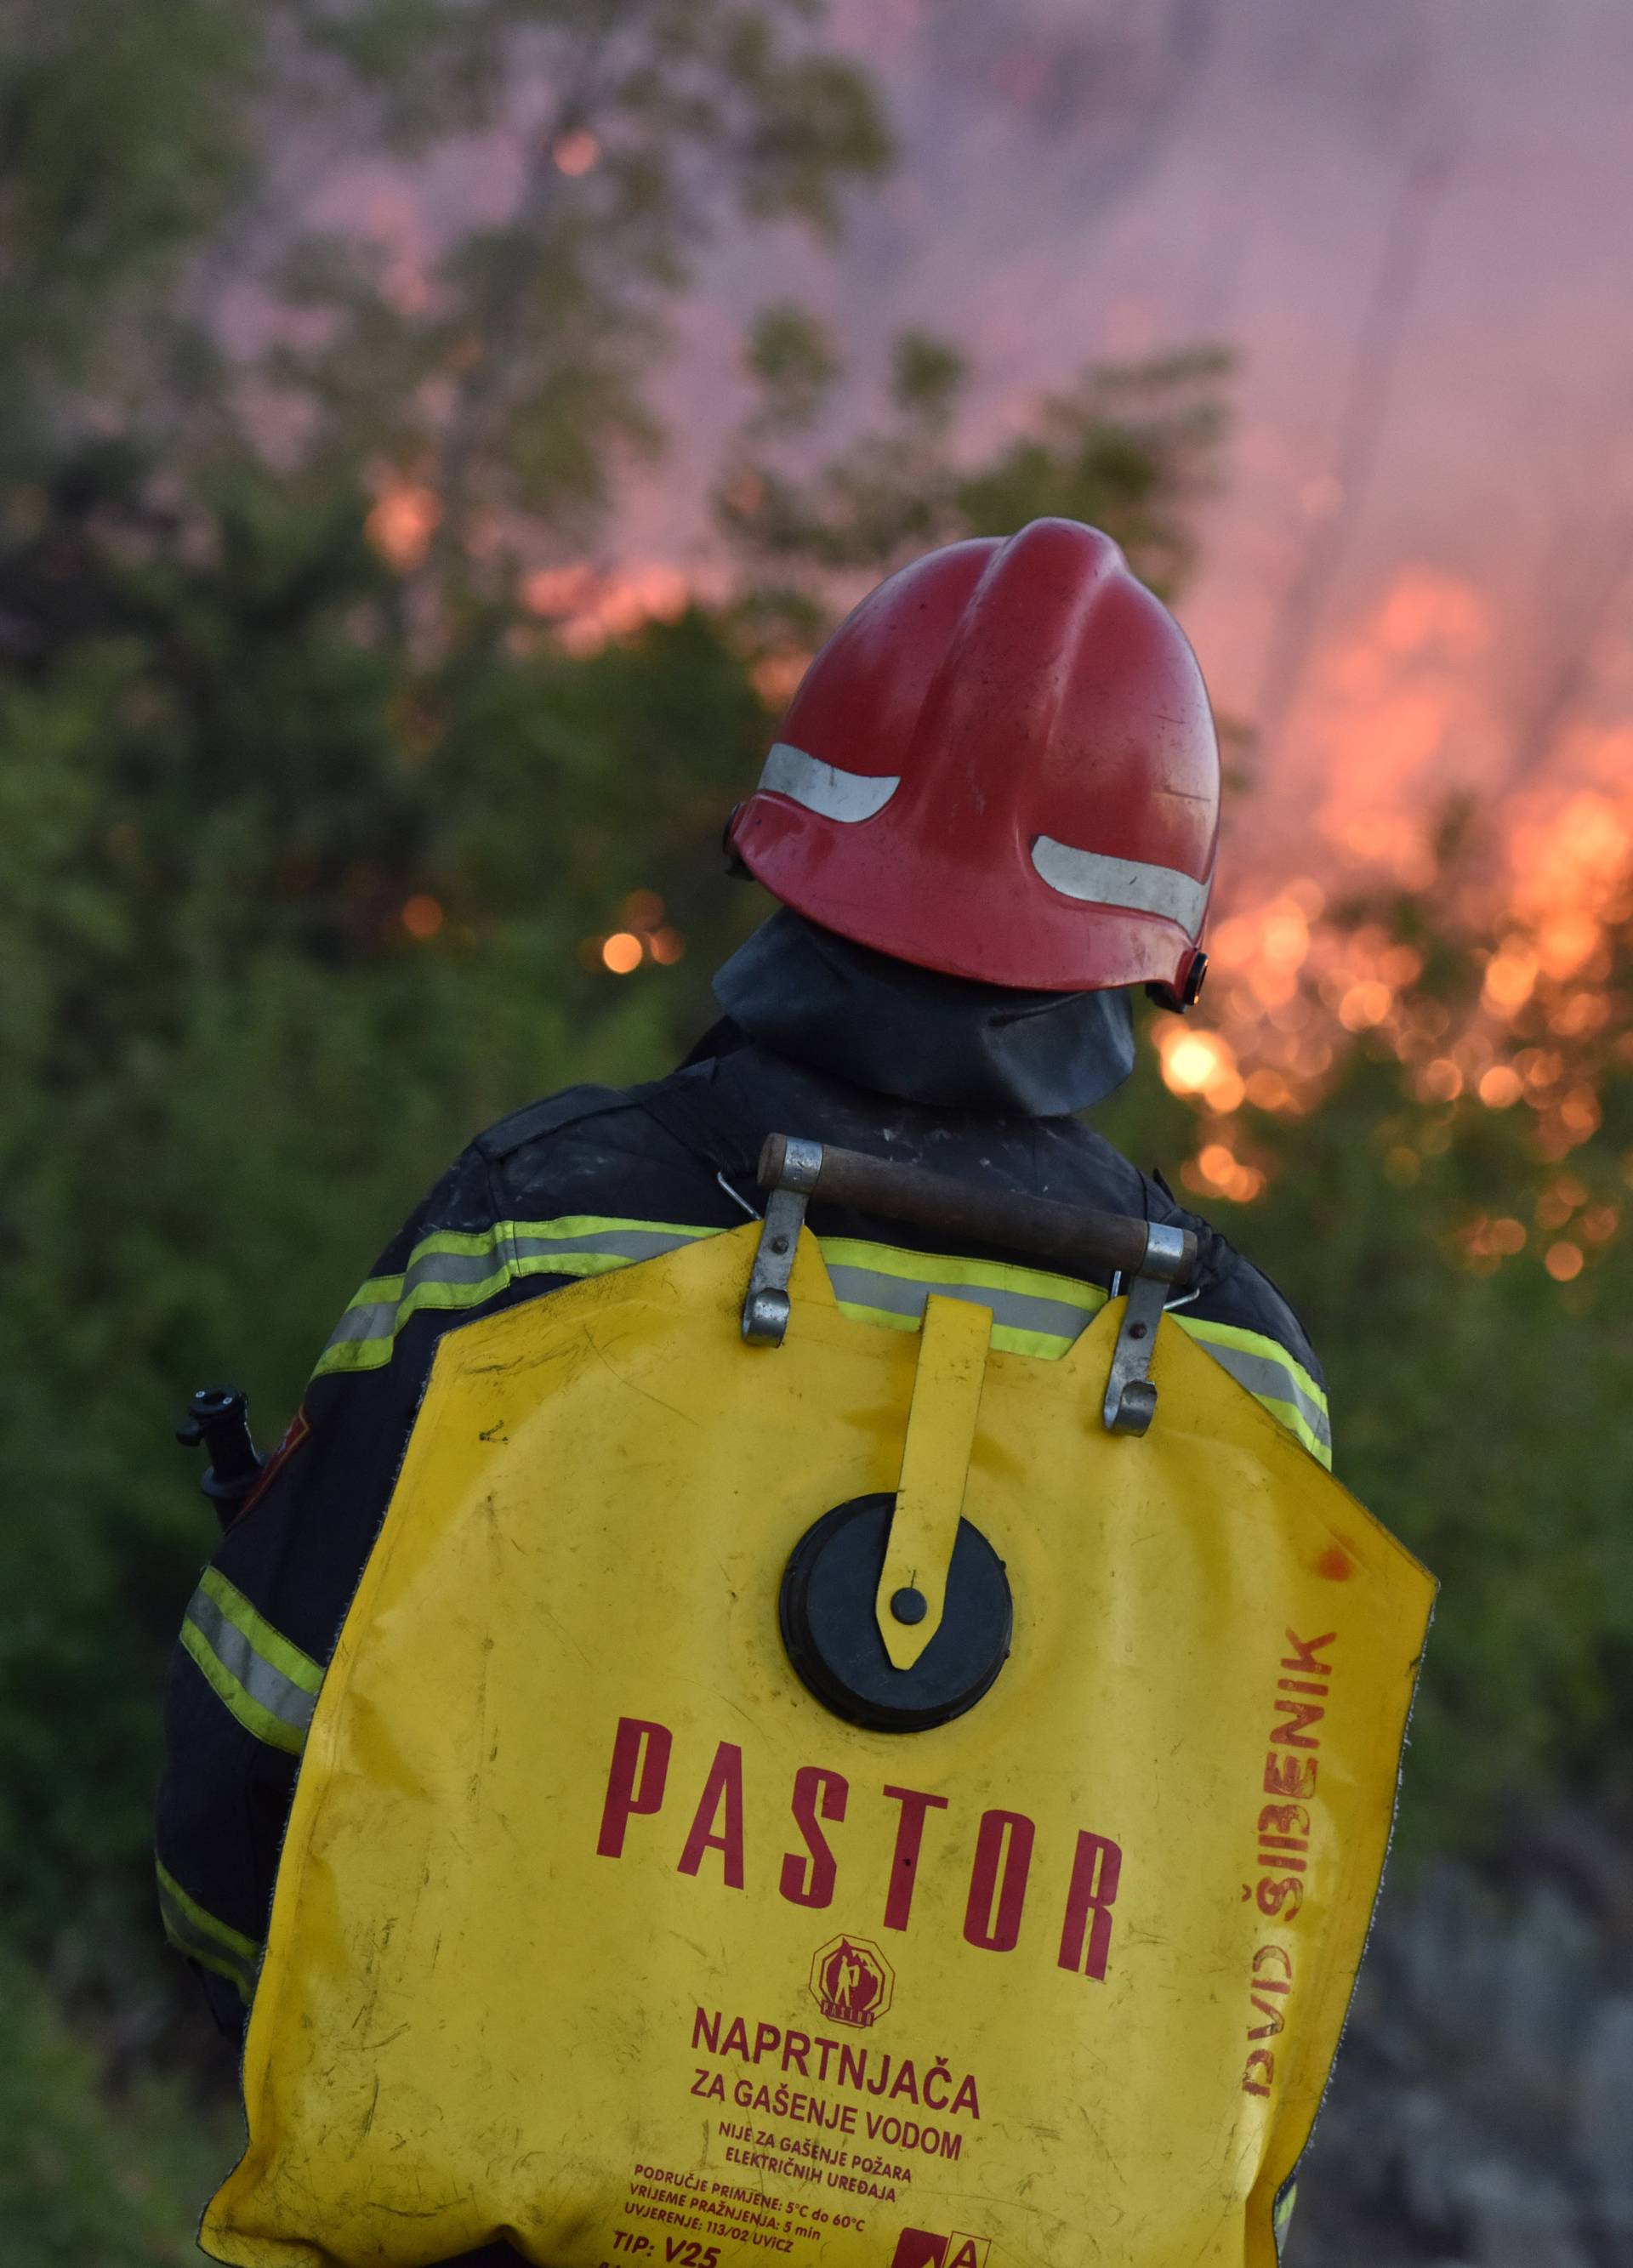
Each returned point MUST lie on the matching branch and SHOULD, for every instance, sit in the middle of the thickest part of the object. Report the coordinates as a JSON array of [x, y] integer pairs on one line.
[[498, 320]]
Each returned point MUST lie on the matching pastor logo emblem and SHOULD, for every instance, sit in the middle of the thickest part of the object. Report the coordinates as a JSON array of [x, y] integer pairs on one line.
[[851, 1982], [921, 2248]]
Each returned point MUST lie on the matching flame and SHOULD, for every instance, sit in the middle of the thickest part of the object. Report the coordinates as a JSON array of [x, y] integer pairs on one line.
[[422, 917], [1501, 1087], [577, 152], [403, 521], [589, 607], [776, 676], [645, 935], [1395, 711], [1200, 1061], [1217, 1171], [1297, 988], [622, 952]]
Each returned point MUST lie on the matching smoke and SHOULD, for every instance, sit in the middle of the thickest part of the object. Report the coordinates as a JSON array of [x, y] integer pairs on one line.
[[1408, 219]]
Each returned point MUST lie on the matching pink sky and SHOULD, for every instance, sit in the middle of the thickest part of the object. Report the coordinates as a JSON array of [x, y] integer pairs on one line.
[[1411, 220]]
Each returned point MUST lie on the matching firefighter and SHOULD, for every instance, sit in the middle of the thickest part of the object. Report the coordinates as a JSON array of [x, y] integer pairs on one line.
[[991, 818]]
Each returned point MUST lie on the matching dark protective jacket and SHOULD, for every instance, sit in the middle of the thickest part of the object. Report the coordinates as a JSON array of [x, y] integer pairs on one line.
[[589, 1181]]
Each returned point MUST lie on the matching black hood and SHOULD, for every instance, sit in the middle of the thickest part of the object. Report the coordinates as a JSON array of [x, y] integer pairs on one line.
[[876, 1022]]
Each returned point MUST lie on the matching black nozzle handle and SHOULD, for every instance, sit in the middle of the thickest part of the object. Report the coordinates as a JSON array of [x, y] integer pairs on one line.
[[217, 1420]]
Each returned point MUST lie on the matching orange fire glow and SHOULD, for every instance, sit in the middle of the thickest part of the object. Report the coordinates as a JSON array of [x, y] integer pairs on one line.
[[403, 522], [622, 952], [1401, 707], [1295, 988], [588, 608], [776, 676], [422, 918], [576, 153]]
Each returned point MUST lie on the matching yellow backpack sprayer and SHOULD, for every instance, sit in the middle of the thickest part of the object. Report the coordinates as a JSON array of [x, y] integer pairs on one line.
[[787, 1787]]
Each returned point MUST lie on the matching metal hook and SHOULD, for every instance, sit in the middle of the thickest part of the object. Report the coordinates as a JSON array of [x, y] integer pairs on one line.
[[765, 1307], [1130, 1396]]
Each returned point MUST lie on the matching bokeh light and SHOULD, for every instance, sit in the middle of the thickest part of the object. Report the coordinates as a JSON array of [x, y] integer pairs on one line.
[[422, 917]]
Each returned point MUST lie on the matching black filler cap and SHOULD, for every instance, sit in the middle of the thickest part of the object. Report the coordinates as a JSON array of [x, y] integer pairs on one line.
[[831, 1630]]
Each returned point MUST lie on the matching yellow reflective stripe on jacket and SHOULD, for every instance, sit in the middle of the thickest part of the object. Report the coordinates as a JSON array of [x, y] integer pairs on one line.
[[268, 1684], [454, 1268], [1034, 1311], [1272, 1376], [202, 1938], [1041, 1314]]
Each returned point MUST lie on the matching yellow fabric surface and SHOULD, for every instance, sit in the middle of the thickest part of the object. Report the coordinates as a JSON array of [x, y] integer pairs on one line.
[[596, 1931], [948, 1379]]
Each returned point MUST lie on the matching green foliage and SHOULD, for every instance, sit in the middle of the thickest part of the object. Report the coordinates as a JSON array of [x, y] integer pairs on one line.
[[1131, 449], [511, 375], [214, 1016], [305, 864], [236, 747], [794, 360], [85, 2180], [119, 147], [926, 378], [140, 174], [614, 773]]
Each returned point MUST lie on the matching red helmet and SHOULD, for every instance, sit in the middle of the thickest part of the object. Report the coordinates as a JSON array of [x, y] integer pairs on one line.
[[1002, 765]]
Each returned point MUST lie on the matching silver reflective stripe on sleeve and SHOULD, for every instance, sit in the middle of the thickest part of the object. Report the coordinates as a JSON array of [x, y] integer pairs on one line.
[[1101, 880], [826, 788], [261, 1676], [461, 1267], [201, 1937], [365, 1319], [454, 1268]]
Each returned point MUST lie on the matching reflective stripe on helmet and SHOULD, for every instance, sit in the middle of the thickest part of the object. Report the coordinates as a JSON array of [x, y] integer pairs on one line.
[[265, 1679], [1034, 1311], [992, 696], [823, 787], [197, 1934], [1100, 881]]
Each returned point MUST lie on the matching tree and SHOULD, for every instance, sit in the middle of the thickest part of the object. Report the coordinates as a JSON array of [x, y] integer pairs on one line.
[[1131, 449], [504, 377], [231, 996]]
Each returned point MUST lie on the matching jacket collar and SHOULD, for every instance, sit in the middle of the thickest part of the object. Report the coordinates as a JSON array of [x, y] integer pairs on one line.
[[941, 1041]]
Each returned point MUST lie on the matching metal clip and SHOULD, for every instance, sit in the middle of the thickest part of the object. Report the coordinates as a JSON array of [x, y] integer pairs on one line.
[[1130, 1396], [765, 1304]]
